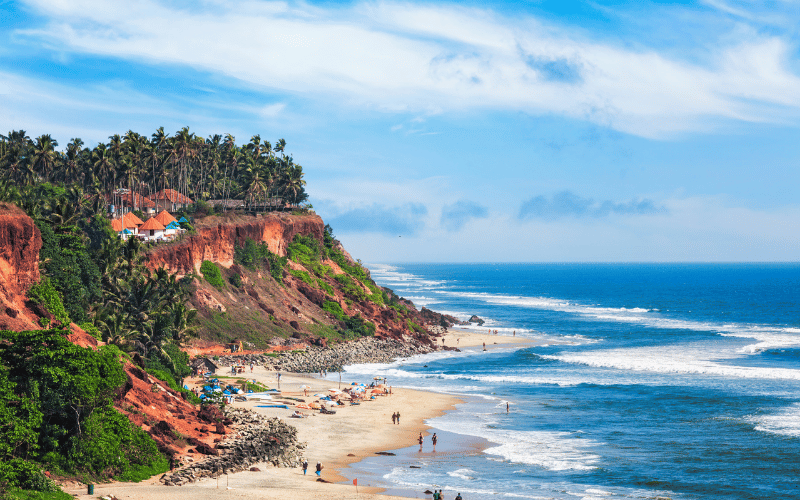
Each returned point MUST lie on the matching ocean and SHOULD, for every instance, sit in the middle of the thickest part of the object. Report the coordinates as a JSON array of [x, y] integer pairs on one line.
[[677, 381]]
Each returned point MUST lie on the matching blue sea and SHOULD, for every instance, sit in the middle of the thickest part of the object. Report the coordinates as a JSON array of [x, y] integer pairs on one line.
[[677, 381]]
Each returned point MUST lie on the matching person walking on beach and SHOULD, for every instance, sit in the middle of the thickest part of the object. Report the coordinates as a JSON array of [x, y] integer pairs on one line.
[[305, 466], [398, 418], [394, 418], [419, 439], [458, 497], [433, 440], [252, 365], [319, 469]]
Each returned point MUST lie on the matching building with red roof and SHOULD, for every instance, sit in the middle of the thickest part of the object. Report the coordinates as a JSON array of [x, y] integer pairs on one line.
[[169, 199]]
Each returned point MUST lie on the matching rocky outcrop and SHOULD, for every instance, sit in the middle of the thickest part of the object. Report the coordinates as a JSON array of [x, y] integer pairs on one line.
[[314, 359], [20, 242], [215, 240], [258, 439], [167, 416], [476, 319]]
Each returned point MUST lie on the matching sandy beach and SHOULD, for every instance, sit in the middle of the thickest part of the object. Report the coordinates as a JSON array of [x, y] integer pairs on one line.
[[349, 436]]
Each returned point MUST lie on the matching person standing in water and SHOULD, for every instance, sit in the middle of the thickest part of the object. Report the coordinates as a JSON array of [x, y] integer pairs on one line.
[[419, 439], [433, 440]]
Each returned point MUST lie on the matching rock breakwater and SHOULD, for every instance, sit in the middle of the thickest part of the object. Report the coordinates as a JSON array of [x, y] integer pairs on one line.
[[314, 359], [258, 439]]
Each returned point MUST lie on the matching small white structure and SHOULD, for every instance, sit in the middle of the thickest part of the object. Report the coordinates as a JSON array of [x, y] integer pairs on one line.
[[152, 230]]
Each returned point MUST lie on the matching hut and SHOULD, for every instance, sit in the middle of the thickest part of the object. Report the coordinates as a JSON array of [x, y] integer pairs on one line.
[[204, 365], [152, 230], [170, 199], [165, 218], [130, 221], [172, 229], [134, 201]]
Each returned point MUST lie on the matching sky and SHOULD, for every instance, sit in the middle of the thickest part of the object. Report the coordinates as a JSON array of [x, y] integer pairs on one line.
[[507, 131]]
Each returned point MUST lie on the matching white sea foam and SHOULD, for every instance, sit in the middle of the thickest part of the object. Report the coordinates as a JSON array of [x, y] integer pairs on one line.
[[555, 451], [786, 422], [769, 337], [683, 359], [466, 474]]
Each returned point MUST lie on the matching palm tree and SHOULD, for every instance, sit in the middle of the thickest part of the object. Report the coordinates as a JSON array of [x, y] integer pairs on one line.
[[44, 156]]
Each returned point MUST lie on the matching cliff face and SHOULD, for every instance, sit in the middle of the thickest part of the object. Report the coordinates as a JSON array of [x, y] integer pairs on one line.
[[264, 312], [216, 238], [20, 242]]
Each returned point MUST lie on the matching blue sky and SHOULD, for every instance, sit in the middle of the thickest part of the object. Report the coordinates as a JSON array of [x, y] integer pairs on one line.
[[457, 132]]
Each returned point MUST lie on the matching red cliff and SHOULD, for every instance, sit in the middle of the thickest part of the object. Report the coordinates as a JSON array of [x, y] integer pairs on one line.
[[216, 238], [20, 242]]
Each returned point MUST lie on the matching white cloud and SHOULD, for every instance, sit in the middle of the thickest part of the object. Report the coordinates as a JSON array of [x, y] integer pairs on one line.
[[425, 59], [696, 229], [272, 110]]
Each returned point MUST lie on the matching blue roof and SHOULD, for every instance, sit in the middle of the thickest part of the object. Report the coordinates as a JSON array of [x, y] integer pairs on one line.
[[173, 225], [182, 219]]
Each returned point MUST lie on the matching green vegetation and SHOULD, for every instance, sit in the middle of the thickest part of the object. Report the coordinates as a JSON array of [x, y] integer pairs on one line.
[[67, 262], [305, 250], [259, 173], [56, 399], [253, 255], [212, 274], [303, 276], [46, 295], [236, 280], [335, 309]]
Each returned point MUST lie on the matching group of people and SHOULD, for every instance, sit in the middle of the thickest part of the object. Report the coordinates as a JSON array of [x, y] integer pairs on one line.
[[396, 418], [318, 471], [437, 495], [434, 439]]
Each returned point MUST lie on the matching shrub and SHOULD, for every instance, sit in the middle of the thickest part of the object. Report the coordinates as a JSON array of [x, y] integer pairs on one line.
[[212, 274], [303, 276], [110, 444], [304, 250], [350, 287], [45, 294], [334, 308], [252, 255], [359, 327], [236, 280], [25, 475]]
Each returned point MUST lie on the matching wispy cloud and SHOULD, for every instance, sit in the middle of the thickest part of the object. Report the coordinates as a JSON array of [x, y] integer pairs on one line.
[[568, 204], [400, 220], [455, 216], [429, 59]]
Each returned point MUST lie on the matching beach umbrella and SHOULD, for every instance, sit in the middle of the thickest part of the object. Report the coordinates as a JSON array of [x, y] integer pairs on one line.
[[335, 391], [305, 387], [376, 391], [377, 378], [353, 383], [319, 395]]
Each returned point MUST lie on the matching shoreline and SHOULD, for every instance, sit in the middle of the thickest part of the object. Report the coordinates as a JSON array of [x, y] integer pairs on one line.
[[353, 435]]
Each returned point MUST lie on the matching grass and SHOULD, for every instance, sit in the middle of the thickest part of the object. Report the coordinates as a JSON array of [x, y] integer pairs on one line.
[[18, 494]]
